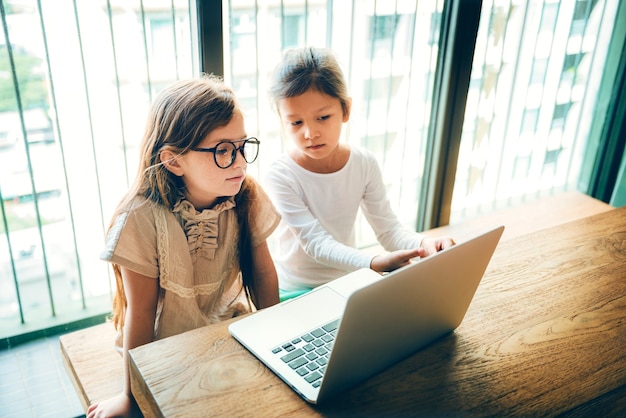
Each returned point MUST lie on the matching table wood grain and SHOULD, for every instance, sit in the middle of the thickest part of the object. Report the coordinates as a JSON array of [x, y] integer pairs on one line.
[[531, 216], [545, 335]]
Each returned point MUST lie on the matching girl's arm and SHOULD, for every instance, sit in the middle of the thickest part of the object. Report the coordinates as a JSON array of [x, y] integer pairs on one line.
[[314, 239], [265, 276], [401, 243], [390, 232], [141, 295]]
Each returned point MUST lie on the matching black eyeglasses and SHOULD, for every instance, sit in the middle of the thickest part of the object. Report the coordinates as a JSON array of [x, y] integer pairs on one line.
[[225, 152]]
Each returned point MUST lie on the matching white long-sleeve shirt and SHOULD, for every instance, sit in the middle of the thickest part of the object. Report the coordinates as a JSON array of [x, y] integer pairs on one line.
[[316, 235]]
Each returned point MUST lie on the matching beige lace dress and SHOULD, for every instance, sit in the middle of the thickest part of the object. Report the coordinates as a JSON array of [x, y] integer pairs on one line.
[[194, 256]]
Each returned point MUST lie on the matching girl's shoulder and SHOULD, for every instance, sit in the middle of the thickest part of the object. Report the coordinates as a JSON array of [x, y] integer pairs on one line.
[[134, 222], [283, 168], [362, 161], [283, 162], [143, 210], [141, 205]]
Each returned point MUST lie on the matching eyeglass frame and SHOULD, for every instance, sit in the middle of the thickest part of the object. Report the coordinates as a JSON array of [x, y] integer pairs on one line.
[[241, 149]]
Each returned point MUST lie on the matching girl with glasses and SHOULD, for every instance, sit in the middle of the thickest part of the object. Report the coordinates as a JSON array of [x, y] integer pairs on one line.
[[188, 241], [320, 183]]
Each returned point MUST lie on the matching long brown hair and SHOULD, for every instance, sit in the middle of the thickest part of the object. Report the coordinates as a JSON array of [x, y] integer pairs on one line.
[[180, 117]]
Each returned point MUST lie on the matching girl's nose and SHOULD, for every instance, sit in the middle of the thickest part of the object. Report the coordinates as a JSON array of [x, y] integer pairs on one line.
[[240, 161], [311, 132]]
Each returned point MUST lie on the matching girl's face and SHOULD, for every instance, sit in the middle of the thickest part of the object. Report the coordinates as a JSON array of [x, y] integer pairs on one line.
[[206, 182], [313, 122]]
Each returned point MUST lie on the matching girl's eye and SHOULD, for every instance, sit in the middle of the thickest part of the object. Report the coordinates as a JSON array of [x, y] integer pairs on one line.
[[296, 123], [324, 117]]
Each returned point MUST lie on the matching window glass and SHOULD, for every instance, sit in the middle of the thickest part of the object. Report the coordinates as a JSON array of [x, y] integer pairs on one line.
[[72, 111], [73, 106], [534, 84], [388, 52]]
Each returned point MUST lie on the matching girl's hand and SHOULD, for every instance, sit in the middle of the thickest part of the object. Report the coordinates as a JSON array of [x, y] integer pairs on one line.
[[401, 258], [395, 259], [434, 245], [118, 406]]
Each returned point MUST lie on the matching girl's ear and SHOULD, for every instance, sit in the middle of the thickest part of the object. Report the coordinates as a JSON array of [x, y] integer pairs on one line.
[[346, 113], [170, 161]]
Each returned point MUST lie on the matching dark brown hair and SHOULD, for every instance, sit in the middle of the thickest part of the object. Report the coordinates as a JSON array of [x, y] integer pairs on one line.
[[308, 68]]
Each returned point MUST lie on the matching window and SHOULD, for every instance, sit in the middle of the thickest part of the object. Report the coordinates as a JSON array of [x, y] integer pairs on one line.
[[68, 143], [570, 66], [536, 109], [560, 115], [435, 24], [583, 9], [529, 120], [68, 147], [582, 12], [293, 30], [538, 75], [381, 88]]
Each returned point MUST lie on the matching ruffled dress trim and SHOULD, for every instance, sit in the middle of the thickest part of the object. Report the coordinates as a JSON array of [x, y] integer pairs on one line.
[[201, 227], [202, 232]]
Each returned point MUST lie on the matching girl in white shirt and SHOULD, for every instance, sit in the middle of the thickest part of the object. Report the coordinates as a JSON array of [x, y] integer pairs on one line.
[[320, 183]]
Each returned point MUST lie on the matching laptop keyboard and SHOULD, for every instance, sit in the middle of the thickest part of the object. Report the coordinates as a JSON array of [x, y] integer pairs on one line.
[[308, 353]]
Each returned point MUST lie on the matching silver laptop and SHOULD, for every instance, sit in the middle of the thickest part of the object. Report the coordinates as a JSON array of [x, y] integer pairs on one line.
[[339, 334]]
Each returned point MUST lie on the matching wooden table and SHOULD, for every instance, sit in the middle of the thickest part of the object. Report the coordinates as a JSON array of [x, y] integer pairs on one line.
[[528, 217], [545, 335]]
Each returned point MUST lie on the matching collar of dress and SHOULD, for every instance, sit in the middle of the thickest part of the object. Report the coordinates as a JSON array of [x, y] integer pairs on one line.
[[201, 227]]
